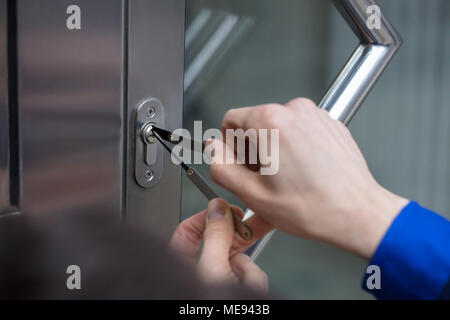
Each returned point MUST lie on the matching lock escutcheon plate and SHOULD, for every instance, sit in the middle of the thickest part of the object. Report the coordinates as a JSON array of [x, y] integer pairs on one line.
[[149, 160]]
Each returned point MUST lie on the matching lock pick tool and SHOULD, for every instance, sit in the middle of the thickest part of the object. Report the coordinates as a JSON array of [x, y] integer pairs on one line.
[[163, 135], [194, 145]]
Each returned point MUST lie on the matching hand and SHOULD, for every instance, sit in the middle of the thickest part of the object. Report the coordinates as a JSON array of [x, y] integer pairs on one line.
[[323, 190], [221, 260]]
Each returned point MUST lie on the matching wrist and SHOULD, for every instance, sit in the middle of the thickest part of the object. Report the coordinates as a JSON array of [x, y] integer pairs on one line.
[[375, 217]]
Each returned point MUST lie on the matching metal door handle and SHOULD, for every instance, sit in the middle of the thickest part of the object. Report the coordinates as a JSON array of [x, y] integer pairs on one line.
[[376, 50]]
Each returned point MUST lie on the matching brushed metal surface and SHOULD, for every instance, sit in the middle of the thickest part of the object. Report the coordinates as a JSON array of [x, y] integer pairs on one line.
[[155, 69], [70, 100]]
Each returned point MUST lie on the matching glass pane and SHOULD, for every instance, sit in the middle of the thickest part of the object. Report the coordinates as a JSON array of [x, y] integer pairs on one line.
[[241, 53]]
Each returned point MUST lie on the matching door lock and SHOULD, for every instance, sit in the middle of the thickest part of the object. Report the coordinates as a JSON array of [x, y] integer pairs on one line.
[[149, 156]]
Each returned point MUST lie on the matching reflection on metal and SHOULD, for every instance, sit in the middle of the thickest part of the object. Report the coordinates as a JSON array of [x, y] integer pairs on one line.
[[376, 50], [70, 104], [370, 59], [209, 37]]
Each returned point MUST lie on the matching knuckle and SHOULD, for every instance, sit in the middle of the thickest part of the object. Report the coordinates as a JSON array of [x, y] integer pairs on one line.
[[278, 121], [229, 114], [308, 113], [214, 231], [228, 118], [263, 278], [272, 115], [325, 114], [302, 103], [304, 108]]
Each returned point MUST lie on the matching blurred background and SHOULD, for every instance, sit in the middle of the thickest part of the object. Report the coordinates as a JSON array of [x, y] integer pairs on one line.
[[241, 53]]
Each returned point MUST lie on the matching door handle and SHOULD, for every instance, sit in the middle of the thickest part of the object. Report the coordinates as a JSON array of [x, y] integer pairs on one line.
[[374, 53], [346, 94]]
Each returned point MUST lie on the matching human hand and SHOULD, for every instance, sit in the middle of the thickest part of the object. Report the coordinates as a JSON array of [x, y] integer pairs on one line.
[[323, 190], [221, 260]]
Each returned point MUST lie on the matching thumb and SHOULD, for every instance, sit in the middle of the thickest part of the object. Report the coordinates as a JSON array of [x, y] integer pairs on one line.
[[214, 263]]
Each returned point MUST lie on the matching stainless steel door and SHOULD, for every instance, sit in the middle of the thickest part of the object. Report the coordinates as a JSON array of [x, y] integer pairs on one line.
[[79, 85], [155, 69], [70, 97]]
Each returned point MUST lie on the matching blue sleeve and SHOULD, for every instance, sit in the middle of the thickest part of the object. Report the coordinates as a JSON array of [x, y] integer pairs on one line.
[[414, 256]]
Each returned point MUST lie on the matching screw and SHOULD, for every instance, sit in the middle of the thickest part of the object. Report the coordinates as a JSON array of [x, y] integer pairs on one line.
[[149, 175], [151, 112]]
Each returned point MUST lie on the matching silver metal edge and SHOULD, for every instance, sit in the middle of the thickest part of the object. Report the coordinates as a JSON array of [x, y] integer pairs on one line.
[[4, 113]]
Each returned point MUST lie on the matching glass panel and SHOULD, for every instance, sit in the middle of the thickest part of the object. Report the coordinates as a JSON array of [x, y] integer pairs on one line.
[[273, 51]]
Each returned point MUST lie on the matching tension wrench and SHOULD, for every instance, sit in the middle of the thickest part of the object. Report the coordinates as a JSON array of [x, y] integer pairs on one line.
[[240, 227]]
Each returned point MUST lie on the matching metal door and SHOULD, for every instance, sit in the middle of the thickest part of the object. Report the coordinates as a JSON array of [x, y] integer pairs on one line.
[[69, 94]]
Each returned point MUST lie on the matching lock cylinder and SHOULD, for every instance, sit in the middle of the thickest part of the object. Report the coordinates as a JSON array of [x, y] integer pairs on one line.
[[148, 136]]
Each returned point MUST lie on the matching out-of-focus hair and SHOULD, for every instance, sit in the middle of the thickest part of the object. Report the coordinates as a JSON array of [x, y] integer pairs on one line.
[[117, 261]]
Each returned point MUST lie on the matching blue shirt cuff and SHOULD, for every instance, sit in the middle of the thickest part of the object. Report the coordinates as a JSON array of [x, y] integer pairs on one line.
[[413, 257]]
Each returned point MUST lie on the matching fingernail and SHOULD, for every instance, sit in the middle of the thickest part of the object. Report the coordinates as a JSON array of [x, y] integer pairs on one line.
[[216, 209]]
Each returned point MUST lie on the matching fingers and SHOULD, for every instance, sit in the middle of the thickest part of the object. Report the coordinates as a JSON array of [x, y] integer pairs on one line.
[[238, 211], [252, 117], [218, 237], [227, 173], [216, 228], [300, 103], [188, 236], [259, 228], [236, 118], [249, 274], [243, 182]]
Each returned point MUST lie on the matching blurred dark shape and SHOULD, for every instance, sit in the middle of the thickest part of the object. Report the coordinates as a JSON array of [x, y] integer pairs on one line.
[[116, 261]]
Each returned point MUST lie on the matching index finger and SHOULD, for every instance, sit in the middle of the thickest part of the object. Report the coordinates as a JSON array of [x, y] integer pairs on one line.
[[236, 119], [249, 117]]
